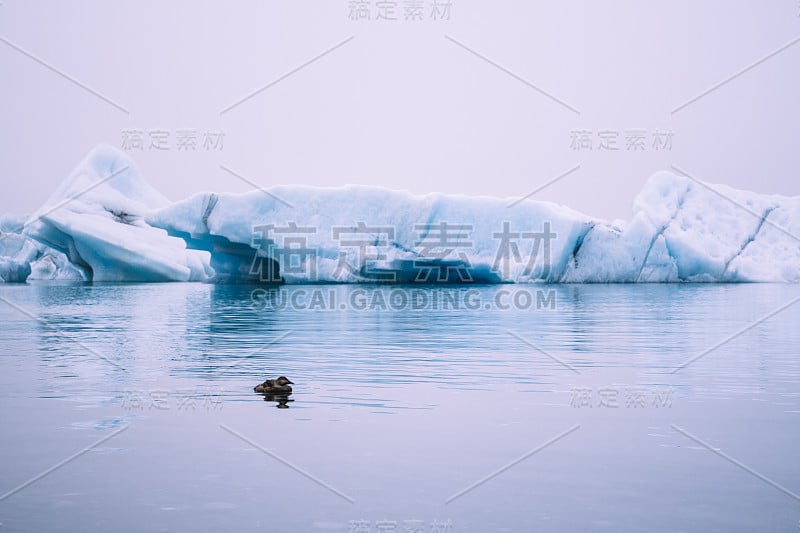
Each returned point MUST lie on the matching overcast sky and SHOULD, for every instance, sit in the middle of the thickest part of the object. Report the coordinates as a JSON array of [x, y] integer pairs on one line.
[[500, 99]]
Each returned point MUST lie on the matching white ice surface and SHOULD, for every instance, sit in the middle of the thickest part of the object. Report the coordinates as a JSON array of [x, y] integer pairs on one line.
[[96, 218], [113, 226]]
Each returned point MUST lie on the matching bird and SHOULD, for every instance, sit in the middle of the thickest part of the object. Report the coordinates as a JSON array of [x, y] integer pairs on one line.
[[282, 385]]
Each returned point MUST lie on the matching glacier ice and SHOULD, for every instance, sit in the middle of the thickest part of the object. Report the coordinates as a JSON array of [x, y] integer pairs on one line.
[[22, 258], [96, 218], [106, 223]]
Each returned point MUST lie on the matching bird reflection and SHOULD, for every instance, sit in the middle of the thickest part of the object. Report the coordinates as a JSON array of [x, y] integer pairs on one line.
[[282, 399]]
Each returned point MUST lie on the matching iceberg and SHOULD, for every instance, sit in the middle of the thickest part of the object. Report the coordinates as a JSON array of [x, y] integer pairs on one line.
[[96, 218], [105, 222], [22, 258]]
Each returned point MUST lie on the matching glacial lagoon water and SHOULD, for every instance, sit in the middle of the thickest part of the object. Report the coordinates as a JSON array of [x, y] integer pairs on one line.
[[494, 408]]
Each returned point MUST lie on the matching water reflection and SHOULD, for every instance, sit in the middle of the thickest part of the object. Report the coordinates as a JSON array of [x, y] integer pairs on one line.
[[281, 399], [402, 406], [216, 333]]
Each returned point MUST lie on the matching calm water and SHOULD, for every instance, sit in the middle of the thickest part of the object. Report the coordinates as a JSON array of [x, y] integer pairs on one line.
[[479, 418]]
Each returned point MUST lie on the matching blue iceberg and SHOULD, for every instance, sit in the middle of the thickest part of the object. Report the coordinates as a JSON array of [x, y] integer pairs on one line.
[[106, 223]]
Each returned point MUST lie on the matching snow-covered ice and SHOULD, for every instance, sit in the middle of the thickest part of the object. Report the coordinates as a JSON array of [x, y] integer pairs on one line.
[[106, 223], [96, 218]]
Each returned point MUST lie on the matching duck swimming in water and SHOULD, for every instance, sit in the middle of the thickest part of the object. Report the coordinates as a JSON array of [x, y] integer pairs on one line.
[[282, 385]]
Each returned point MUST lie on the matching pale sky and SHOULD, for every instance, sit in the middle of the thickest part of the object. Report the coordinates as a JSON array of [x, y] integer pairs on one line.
[[485, 103]]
